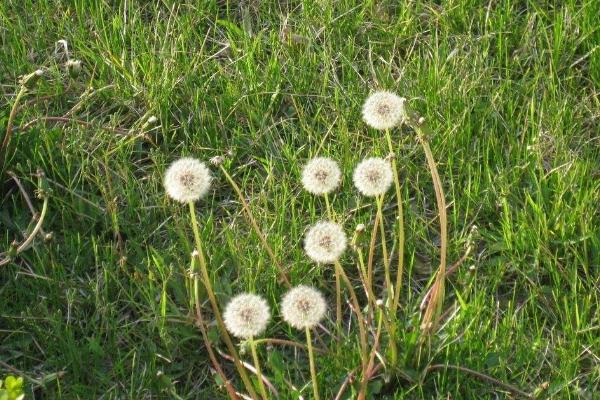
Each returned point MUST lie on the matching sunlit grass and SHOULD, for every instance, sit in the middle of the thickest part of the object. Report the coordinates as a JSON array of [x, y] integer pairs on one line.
[[100, 309]]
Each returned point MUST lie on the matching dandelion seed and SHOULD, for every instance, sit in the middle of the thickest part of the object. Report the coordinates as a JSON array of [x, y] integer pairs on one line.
[[217, 160], [383, 110], [321, 175], [325, 242], [373, 176], [247, 315], [187, 179], [303, 307]]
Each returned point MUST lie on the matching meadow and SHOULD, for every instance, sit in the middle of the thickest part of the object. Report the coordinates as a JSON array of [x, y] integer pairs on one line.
[[100, 282]]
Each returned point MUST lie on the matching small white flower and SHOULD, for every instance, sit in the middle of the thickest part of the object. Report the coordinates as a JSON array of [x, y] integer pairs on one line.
[[373, 176], [325, 242], [247, 315], [383, 110], [187, 179], [321, 175], [303, 307]]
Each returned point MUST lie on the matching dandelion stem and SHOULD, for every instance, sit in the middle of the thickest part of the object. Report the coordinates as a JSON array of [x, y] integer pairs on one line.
[[38, 226], [202, 325], [9, 124], [365, 378], [256, 228], [372, 253], [437, 295], [338, 294], [311, 359], [215, 306], [26, 82], [389, 325], [400, 271], [338, 303], [39, 218], [261, 385], [368, 290], [359, 316], [386, 261], [328, 206]]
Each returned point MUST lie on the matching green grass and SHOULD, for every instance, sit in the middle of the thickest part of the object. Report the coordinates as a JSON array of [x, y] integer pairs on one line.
[[510, 89]]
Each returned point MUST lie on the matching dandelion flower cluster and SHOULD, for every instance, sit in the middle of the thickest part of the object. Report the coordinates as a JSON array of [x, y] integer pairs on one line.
[[373, 176], [303, 307], [325, 242], [383, 110], [187, 179], [321, 175], [247, 315]]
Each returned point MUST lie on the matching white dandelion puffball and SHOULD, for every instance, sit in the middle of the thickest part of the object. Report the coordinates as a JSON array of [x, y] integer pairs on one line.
[[325, 242], [321, 175], [303, 307], [247, 315], [383, 110], [373, 176], [187, 179]]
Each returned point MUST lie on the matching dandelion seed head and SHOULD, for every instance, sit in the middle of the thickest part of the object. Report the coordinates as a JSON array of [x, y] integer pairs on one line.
[[325, 242], [321, 175], [187, 179], [303, 307], [373, 176], [383, 110], [246, 315], [73, 67]]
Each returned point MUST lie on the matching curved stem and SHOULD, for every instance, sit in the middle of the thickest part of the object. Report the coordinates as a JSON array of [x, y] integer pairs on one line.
[[256, 228], [311, 359], [400, 271], [440, 198], [261, 385], [434, 307], [215, 306], [36, 229], [9, 124]]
